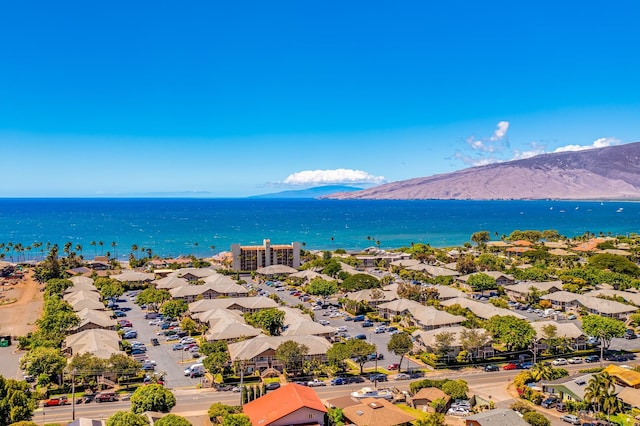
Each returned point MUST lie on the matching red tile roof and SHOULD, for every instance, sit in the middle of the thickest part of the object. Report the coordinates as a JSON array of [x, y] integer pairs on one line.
[[282, 402]]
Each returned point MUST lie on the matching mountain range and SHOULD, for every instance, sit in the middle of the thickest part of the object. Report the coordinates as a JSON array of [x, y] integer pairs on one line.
[[315, 192], [610, 173]]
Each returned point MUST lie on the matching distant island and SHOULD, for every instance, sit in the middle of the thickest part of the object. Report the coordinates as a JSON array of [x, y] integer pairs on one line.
[[315, 192], [610, 173]]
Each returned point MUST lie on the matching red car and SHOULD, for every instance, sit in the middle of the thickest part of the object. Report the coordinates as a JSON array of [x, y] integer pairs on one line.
[[53, 402], [510, 366], [392, 366]]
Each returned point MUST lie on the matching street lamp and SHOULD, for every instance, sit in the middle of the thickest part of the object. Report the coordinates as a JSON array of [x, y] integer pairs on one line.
[[73, 393]]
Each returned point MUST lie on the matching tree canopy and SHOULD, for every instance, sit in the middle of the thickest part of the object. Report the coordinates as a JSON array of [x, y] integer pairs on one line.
[[481, 282], [174, 308], [172, 420], [400, 344], [515, 333], [152, 398], [360, 282], [292, 354], [270, 320], [17, 403], [320, 287], [127, 418], [219, 411]]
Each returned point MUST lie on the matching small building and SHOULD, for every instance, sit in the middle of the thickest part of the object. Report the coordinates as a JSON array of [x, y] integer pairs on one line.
[[501, 278], [520, 291], [289, 405], [426, 341], [378, 412], [425, 397], [414, 314], [499, 417]]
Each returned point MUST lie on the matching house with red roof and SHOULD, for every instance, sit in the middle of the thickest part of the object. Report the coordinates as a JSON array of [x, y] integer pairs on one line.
[[289, 405]]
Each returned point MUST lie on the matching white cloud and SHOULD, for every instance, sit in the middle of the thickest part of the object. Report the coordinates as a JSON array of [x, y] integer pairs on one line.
[[328, 177], [501, 131], [598, 143]]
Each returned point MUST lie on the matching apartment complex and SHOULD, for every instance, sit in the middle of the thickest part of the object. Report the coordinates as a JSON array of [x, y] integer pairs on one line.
[[251, 258]]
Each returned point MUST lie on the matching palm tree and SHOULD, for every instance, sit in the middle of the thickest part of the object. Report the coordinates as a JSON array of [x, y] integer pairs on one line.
[[540, 371], [600, 388], [115, 252], [93, 243], [101, 244]]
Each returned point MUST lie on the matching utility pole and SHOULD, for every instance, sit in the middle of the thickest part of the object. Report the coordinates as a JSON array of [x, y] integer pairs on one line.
[[73, 394]]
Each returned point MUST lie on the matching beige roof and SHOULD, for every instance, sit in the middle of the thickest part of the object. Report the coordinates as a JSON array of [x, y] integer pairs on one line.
[[99, 342], [248, 349], [198, 272], [376, 411], [479, 309], [79, 279], [428, 337], [170, 281], [258, 302], [434, 271], [494, 274], [497, 244], [555, 244], [431, 394], [617, 252], [76, 295], [630, 396], [561, 252], [92, 316], [276, 269], [602, 306], [525, 286], [306, 328], [446, 292], [229, 328], [626, 295], [428, 316], [498, 417], [80, 304], [82, 286], [213, 315], [133, 276], [308, 275], [405, 262], [365, 295], [564, 329]]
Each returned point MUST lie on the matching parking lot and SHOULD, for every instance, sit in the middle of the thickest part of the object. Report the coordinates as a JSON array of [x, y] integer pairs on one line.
[[352, 328], [168, 362]]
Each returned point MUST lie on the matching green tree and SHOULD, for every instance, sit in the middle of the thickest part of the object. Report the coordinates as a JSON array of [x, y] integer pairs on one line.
[[236, 420], [270, 320], [152, 398], [614, 263], [481, 237], [360, 282], [337, 353], [335, 416], [153, 297], [431, 419], [217, 356], [218, 411], [127, 418], [456, 389], [603, 327], [189, 325], [359, 350], [481, 282], [443, 343], [43, 360], [292, 355], [17, 403], [400, 344], [320, 287], [536, 419], [172, 420], [174, 308], [514, 332]]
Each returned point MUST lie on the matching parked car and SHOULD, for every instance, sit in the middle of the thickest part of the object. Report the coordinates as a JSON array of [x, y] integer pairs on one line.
[[403, 376], [393, 366], [630, 336], [338, 381], [342, 329], [457, 412], [272, 385], [367, 324], [106, 397], [315, 383], [525, 365], [379, 329], [575, 360], [155, 342], [570, 418], [561, 408], [119, 314], [549, 402], [559, 361], [592, 358], [130, 334], [187, 340], [510, 366], [373, 357], [54, 402], [491, 367], [177, 347], [172, 337], [378, 377], [358, 318], [360, 337]]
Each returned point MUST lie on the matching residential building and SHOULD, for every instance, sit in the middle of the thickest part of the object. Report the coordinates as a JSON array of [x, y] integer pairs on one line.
[[572, 334], [259, 353], [415, 314], [98, 342], [498, 417], [242, 304], [376, 411], [289, 405], [427, 341], [423, 399], [520, 291], [593, 305], [571, 388], [481, 310], [92, 319], [501, 278], [251, 258]]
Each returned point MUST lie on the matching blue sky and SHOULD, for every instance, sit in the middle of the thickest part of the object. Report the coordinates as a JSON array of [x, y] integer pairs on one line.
[[122, 98]]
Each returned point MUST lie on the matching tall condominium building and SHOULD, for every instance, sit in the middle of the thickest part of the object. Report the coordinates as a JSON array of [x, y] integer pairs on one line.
[[250, 258]]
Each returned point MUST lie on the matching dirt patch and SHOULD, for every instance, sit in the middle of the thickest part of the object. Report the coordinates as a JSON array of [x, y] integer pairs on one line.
[[19, 318]]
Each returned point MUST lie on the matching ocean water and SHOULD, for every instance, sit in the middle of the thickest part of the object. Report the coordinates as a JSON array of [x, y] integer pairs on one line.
[[172, 227]]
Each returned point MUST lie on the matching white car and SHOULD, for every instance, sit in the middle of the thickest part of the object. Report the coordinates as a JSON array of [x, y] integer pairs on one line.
[[187, 340], [457, 412], [323, 322], [341, 329], [380, 329], [559, 361], [575, 360]]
